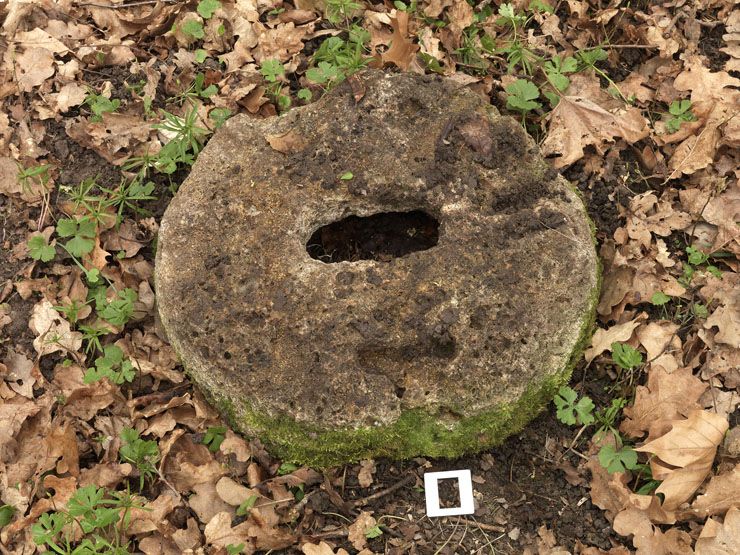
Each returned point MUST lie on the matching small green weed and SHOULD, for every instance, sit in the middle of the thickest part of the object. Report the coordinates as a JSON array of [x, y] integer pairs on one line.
[[679, 111], [99, 516], [141, 453], [119, 309], [81, 232], [40, 249], [274, 73], [100, 105], [573, 412], [625, 356], [337, 58], [111, 365], [214, 437], [6, 515], [340, 11]]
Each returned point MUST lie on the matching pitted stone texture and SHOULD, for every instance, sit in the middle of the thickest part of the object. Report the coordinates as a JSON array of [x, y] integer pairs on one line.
[[458, 333]]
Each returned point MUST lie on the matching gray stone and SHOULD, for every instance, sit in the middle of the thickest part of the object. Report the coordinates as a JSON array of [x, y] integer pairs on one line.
[[464, 291]]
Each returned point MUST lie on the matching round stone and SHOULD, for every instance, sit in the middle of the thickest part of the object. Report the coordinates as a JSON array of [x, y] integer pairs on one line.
[[390, 271]]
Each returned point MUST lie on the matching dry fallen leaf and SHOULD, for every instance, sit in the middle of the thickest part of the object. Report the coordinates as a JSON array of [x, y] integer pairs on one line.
[[722, 492], [722, 539], [588, 116], [690, 446], [365, 476], [321, 549], [359, 528], [53, 333], [666, 397], [402, 51]]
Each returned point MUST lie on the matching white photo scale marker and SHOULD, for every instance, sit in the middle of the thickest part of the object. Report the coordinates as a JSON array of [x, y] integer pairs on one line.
[[431, 492]]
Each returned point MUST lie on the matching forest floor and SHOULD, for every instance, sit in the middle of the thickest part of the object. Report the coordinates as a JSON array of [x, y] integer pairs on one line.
[[105, 446]]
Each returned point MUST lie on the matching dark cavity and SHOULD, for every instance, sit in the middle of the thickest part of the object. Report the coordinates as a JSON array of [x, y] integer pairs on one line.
[[380, 237]]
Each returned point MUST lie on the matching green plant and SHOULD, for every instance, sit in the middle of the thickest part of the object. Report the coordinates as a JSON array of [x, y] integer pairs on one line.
[[141, 453], [521, 96], [571, 412], [373, 532], [679, 111], [617, 459], [556, 71], [274, 73], [34, 175], [286, 468], [99, 516], [196, 90], [6, 515], [339, 11], [127, 195], [234, 549], [71, 311], [213, 438], [193, 28], [111, 365], [40, 249], [118, 310], [337, 58], [625, 356], [82, 232], [206, 8], [186, 142], [100, 105], [659, 298]]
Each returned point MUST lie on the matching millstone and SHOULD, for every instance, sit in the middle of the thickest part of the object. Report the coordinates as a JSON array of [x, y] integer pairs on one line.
[[390, 271]]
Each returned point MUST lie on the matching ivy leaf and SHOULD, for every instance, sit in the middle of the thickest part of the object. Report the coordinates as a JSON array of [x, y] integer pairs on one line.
[[39, 249], [206, 8], [521, 96]]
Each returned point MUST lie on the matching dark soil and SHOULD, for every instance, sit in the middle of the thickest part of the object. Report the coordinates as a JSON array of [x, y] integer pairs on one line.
[[518, 485]]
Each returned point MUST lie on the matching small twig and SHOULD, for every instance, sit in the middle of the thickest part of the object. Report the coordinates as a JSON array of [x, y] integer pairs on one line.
[[483, 526], [378, 494]]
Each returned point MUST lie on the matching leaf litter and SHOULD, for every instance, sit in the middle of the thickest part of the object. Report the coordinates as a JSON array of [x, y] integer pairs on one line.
[[636, 103]]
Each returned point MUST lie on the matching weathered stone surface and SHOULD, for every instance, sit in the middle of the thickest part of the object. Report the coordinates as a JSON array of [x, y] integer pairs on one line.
[[437, 352]]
